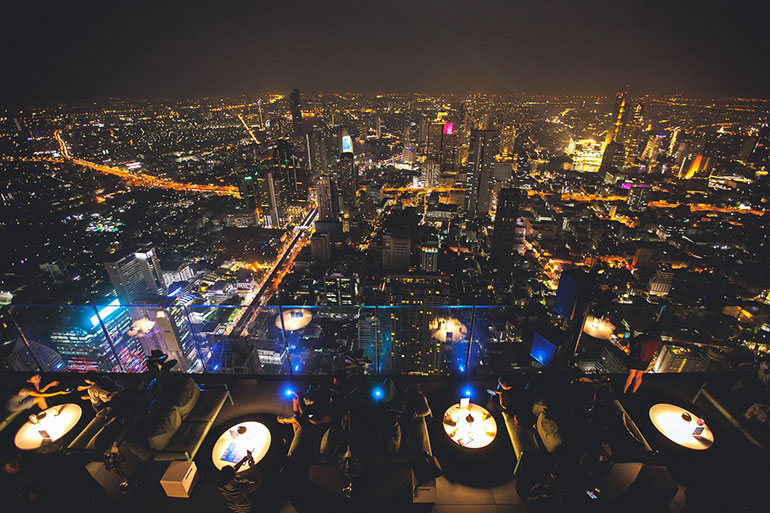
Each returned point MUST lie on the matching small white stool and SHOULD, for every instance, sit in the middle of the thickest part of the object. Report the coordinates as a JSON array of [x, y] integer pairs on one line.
[[179, 479], [424, 493]]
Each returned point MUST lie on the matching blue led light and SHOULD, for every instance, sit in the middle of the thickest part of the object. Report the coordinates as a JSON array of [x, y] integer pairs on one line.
[[461, 368], [378, 392], [296, 368], [467, 391], [216, 367], [288, 391]]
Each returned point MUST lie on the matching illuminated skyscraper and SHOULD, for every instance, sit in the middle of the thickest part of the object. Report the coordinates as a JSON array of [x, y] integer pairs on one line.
[[504, 233], [483, 147], [264, 189], [651, 150], [435, 132], [429, 256], [91, 341], [442, 145], [290, 170], [637, 198], [615, 131], [348, 175], [507, 139], [633, 132], [138, 272], [160, 323], [431, 171], [295, 108], [316, 148], [327, 198], [410, 345], [760, 155]]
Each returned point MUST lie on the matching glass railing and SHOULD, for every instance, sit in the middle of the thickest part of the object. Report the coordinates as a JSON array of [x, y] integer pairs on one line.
[[434, 341]]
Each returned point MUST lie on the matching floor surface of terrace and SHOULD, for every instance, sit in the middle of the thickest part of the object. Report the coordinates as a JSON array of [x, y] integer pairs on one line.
[[485, 484]]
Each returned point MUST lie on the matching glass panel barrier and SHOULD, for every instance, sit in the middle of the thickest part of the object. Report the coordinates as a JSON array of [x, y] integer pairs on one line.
[[75, 338], [15, 353], [322, 339], [238, 339], [424, 340], [499, 346], [318, 340]]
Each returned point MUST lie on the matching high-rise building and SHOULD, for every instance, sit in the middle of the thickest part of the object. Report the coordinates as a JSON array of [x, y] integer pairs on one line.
[[368, 333], [442, 145], [264, 190], [651, 150], [507, 139], [614, 156], [347, 175], [317, 149], [423, 135], [261, 116], [408, 339], [504, 234], [760, 154], [615, 131], [483, 147], [638, 198], [660, 283], [341, 286], [321, 247], [690, 358], [633, 132], [396, 251], [295, 107], [327, 199], [646, 257], [137, 272], [159, 323], [431, 172], [276, 189], [287, 166], [99, 341], [429, 255]]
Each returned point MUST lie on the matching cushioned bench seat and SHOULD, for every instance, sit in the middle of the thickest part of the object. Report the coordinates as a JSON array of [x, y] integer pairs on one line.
[[181, 430]]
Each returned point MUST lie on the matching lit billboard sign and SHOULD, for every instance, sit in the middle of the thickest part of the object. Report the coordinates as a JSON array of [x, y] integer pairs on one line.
[[105, 312], [347, 144]]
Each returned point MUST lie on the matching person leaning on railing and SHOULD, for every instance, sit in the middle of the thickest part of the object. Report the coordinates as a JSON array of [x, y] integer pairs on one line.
[[642, 350]]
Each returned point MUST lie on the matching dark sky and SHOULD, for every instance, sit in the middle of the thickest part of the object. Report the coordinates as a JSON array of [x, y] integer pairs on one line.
[[82, 49]]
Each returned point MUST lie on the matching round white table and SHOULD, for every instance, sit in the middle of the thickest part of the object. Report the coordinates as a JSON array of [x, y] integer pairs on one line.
[[668, 419], [294, 319], [57, 422], [472, 427], [231, 447]]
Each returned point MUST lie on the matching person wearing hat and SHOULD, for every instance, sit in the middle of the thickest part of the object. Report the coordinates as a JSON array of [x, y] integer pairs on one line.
[[158, 362]]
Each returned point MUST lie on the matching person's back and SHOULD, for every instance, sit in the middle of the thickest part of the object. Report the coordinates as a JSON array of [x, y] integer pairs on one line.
[[643, 349], [237, 488], [236, 496], [641, 353]]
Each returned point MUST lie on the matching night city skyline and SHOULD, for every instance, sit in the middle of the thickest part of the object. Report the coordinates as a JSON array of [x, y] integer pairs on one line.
[[418, 256], [150, 50]]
